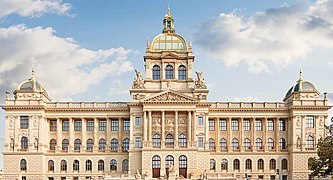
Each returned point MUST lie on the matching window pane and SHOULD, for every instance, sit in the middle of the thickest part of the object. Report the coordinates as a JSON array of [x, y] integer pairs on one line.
[[24, 122]]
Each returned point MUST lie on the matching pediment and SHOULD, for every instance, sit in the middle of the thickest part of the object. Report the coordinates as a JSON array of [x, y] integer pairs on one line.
[[170, 96], [169, 55]]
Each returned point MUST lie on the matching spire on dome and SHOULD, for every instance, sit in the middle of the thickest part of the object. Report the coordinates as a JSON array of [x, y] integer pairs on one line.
[[300, 75], [168, 23]]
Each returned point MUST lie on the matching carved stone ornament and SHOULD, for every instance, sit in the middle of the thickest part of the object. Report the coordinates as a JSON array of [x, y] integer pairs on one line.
[[201, 97], [200, 82], [169, 121], [298, 120], [170, 97], [321, 120], [156, 121], [138, 82], [138, 96], [11, 121], [182, 120]]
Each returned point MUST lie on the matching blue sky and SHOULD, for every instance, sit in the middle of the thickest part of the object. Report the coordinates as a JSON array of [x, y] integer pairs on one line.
[[87, 50]]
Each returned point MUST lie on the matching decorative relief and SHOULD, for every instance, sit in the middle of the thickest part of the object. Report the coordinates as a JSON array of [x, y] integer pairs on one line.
[[169, 121], [138, 82], [182, 120], [298, 121], [157, 121], [138, 96], [28, 95], [200, 82], [35, 121], [321, 120], [201, 97], [11, 121], [170, 97], [309, 96]]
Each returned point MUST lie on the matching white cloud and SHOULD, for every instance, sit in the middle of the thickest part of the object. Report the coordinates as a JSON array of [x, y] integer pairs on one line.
[[276, 36], [63, 67], [32, 8]]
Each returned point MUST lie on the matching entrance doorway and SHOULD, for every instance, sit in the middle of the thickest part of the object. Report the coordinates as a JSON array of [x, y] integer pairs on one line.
[[156, 163], [183, 166]]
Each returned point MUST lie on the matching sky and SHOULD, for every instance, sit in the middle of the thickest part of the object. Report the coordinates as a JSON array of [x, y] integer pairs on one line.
[[248, 50]]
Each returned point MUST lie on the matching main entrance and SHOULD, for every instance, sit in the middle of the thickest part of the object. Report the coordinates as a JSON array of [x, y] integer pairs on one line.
[[156, 162], [183, 166]]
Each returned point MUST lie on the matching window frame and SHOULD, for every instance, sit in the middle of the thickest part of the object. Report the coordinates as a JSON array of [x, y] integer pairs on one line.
[[24, 122]]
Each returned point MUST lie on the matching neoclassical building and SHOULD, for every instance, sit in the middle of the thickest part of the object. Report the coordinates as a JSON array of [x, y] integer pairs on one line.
[[168, 126]]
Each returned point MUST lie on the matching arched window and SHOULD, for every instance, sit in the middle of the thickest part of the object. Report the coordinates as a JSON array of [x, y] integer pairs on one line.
[[284, 164], [261, 164], [234, 143], [156, 72], [169, 140], [23, 165], [270, 143], [77, 145], [272, 164], [24, 142], [76, 165], [310, 142], [65, 144], [236, 164], [90, 145], [53, 144], [50, 165], [113, 165], [223, 144], [248, 164], [157, 140], [282, 143], [156, 162], [182, 72], [182, 140], [182, 161], [247, 144], [114, 144], [258, 144], [125, 144], [101, 144], [88, 165], [101, 165], [168, 72], [125, 165], [211, 144], [169, 160], [224, 164], [63, 165], [212, 164]]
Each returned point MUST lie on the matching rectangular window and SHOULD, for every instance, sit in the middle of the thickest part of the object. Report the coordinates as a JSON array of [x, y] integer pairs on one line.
[[234, 125], [282, 125], [310, 121], [101, 125], [200, 142], [223, 124], [90, 125], [211, 124], [258, 125], [114, 124], [77, 125], [65, 125], [138, 121], [138, 143], [53, 125], [126, 125], [24, 122], [200, 121], [246, 125], [270, 125]]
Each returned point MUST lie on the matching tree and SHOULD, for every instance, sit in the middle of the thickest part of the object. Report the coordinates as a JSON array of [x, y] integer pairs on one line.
[[323, 165]]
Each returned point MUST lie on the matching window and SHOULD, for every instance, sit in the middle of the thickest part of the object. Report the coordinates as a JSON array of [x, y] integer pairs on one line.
[[113, 165], [258, 125], [50, 165], [182, 140], [156, 162], [223, 144], [114, 125], [77, 125], [212, 164], [236, 164], [234, 125], [23, 165], [63, 165], [102, 125], [270, 143], [261, 164], [200, 142], [272, 164], [156, 141], [211, 123], [90, 145], [169, 160], [65, 125], [24, 143], [138, 143], [270, 125], [168, 72], [65, 144], [282, 143], [223, 125], [77, 145], [234, 143], [310, 121], [284, 164], [24, 122], [200, 121], [247, 144], [169, 140], [284, 177], [156, 72], [246, 125], [90, 125], [125, 144], [310, 142], [272, 177], [211, 144], [258, 144], [88, 165], [125, 165], [282, 125], [114, 144], [100, 165], [101, 144], [76, 165], [53, 144], [224, 164], [138, 121], [53, 125], [126, 125], [248, 164], [182, 161], [182, 72]]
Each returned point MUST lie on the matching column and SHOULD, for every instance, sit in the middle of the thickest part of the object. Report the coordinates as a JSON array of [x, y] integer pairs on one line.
[[252, 121], [264, 140], [206, 131], [229, 136], [120, 134], [176, 129], [241, 134], [95, 134], [194, 125], [145, 124], [59, 134], [149, 126], [108, 134], [276, 134], [71, 134], [83, 134], [163, 129], [217, 136], [189, 133], [132, 117]]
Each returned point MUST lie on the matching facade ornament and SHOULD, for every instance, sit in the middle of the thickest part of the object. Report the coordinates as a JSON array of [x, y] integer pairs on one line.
[[201, 97], [138, 82], [182, 120], [138, 96], [36, 143], [7, 95], [137, 175], [170, 97], [168, 83], [204, 175], [11, 144], [200, 82]]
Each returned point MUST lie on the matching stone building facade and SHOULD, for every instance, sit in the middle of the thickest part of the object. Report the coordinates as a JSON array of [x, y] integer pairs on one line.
[[167, 124]]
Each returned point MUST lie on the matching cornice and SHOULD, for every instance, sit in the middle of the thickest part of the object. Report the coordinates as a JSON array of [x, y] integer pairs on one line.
[[248, 109], [25, 107], [310, 107]]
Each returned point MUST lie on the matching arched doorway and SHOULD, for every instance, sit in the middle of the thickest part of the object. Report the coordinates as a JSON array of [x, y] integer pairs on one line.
[[156, 163], [183, 166], [168, 162]]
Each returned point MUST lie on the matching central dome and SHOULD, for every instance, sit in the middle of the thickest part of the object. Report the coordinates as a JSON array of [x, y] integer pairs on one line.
[[301, 86], [169, 42]]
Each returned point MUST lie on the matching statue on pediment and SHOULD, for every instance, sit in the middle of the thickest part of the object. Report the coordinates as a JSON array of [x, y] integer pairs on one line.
[[138, 82], [200, 82]]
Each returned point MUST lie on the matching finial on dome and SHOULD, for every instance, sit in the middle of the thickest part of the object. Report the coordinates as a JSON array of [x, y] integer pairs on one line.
[[190, 42], [169, 10], [148, 43], [300, 75], [33, 72], [168, 23]]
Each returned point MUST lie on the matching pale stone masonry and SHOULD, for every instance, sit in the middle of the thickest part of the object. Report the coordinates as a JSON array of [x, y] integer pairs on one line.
[[167, 121]]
